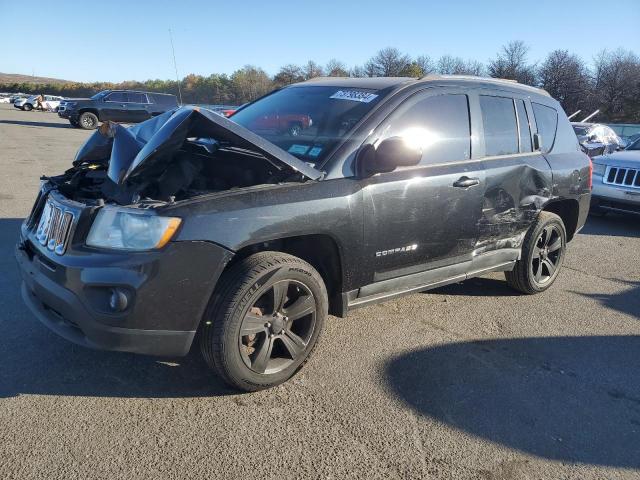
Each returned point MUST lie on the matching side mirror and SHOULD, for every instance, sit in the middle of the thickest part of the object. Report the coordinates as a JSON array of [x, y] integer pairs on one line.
[[537, 142], [390, 154]]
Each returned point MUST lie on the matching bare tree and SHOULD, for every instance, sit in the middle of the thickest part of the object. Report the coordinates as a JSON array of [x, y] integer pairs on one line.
[[311, 70], [336, 68], [388, 62], [425, 63], [511, 63], [566, 78], [358, 71], [450, 65], [288, 74], [616, 85]]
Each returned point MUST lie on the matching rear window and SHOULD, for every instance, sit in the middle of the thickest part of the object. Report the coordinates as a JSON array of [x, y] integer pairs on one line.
[[136, 97], [500, 125], [165, 100], [547, 120]]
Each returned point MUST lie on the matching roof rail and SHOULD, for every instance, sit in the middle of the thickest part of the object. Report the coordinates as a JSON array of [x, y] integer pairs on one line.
[[498, 81]]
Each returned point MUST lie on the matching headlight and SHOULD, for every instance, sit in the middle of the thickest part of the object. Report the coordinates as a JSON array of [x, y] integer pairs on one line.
[[70, 104], [129, 230], [599, 169]]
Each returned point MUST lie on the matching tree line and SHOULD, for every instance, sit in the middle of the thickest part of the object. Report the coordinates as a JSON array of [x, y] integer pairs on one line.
[[611, 83]]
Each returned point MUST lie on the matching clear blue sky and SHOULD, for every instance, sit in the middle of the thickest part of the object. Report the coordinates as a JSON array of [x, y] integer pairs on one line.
[[115, 40]]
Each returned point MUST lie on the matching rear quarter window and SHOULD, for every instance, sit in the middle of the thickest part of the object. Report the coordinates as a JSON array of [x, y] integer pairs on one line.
[[547, 120], [164, 100]]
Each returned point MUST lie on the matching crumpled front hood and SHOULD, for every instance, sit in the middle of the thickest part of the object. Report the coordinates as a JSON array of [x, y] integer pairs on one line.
[[151, 144]]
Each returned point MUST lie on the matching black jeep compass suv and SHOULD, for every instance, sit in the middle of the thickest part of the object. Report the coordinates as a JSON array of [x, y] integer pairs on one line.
[[243, 235]]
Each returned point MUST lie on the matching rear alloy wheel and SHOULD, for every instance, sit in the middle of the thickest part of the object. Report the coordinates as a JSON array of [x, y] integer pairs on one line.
[[542, 255], [88, 121], [27, 107], [265, 321]]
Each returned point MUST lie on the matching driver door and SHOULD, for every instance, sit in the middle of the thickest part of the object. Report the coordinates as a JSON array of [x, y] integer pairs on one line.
[[427, 216], [115, 107]]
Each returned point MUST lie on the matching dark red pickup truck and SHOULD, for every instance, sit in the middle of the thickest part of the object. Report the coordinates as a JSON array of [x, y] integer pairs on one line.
[[291, 123]]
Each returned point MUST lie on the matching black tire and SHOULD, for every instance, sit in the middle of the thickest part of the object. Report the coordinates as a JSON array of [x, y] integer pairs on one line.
[[543, 252], [247, 296], [88, 121], [27, 107]]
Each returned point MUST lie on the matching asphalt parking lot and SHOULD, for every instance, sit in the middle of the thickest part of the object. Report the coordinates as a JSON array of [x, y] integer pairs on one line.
[[467, 381]]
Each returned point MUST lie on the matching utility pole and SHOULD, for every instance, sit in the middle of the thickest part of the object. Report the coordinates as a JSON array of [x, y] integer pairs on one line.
[[175, 66]]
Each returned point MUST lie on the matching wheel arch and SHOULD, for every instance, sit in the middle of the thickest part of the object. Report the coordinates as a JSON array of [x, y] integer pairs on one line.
[[90, 110], [322, 251], [568, 210]]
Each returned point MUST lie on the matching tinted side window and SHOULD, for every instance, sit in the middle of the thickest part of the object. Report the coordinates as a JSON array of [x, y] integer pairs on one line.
[[136, 97], [547, 120], [500, 127], [117, 97], [440, 124], [523, 124], [163, 99]]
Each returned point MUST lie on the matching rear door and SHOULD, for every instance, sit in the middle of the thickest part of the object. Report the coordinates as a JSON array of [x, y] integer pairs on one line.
[[424, 217], [519, 179], [137, 107]]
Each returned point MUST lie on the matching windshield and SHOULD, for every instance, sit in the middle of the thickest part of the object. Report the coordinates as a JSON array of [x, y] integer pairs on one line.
[[580, 130], [635, 145], [99, 95], [308, 121]]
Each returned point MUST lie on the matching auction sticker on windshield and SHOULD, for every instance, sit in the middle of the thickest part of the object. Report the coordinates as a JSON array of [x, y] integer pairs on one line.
[[354, 95]]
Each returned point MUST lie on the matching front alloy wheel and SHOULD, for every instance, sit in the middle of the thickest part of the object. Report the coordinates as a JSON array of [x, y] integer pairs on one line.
[[277, 328], [264, 320]]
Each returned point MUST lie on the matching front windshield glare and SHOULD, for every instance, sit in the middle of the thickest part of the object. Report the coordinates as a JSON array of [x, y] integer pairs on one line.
[[308, 121]]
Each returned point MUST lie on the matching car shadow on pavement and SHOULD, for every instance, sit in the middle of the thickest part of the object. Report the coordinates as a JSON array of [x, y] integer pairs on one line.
[[36, 361], [626, 301], [613, 225], [570, 399], [36, 124]]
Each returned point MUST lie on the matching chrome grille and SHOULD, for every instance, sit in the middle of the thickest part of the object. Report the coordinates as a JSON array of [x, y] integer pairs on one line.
[[54, 228], [625, 177]]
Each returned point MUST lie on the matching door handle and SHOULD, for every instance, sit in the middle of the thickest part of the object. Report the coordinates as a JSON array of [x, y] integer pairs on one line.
[[466, 182]]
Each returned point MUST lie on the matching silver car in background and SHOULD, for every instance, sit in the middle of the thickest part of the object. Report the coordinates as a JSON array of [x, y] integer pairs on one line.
[[616, 181], [596, 138]]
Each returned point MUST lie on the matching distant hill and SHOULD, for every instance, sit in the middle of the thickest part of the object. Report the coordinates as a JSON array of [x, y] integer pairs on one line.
[[19, 78]]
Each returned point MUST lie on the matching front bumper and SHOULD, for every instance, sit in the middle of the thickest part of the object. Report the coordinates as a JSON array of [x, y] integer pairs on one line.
[[64, 113], [614, 197], [168, 295]]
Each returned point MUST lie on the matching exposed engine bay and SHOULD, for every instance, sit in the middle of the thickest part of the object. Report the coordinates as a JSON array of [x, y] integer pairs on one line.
[[181, 154]]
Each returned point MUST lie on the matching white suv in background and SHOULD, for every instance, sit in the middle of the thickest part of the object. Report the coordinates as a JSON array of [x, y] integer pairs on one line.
[[50, 102]]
